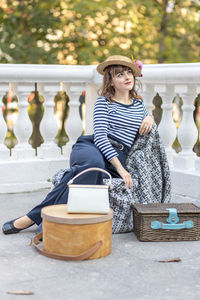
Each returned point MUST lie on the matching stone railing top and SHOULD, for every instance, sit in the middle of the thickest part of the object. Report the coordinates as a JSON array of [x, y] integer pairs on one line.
[[46, 73], [181, 73]]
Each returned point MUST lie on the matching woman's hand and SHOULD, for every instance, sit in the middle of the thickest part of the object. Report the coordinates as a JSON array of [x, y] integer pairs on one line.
[[126, 176], [146, 125]]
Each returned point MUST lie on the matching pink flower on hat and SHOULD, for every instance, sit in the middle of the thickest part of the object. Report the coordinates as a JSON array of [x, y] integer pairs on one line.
[[139, 64]]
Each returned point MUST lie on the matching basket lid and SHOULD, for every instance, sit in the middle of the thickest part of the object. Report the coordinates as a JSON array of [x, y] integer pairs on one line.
[[158, 208], [58, 214]]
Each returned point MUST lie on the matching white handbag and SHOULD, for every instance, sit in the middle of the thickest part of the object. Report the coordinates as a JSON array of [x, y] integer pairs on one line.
[[83, 198]]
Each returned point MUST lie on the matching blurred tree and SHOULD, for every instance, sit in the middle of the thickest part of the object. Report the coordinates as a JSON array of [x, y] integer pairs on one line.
[[86, 32], [29, 30], [35, 111], [178, 30], [156, 31]]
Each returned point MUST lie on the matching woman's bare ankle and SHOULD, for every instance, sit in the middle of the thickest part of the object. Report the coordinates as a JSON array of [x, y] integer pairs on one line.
[[23, 222]]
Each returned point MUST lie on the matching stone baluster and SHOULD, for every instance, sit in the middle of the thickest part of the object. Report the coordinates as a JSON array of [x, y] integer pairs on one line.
[[187, 132], [73, 125], [167, 128], [197, 164], [23, 125], [147, 94], [4, 151], [90, 98], [197, 160], [48, 125]]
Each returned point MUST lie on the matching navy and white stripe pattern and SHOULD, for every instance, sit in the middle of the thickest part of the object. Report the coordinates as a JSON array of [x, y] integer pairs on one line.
[[118, 121]]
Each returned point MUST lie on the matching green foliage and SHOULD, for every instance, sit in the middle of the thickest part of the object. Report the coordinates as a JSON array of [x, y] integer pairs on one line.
[[36, 112], [61, 101], [25, 31], [86, 32]]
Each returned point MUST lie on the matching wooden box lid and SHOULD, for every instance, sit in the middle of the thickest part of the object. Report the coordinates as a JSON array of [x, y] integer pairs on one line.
[[58, 214]]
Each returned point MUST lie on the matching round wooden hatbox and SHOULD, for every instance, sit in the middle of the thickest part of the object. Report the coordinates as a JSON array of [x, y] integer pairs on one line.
[[75, 234]]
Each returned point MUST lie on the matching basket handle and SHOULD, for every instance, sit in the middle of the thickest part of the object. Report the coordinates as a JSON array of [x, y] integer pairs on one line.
[[91, 169], [172, 222], [84, 255]]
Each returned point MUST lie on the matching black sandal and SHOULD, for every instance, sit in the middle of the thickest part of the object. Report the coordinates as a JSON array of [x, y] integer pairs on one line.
[[9, 228]]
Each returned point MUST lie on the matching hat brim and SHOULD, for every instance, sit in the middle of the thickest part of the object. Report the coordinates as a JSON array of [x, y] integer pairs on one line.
[[101, 67]]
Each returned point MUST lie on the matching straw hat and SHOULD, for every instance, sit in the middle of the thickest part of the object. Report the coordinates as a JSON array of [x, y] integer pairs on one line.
[[119, 60]]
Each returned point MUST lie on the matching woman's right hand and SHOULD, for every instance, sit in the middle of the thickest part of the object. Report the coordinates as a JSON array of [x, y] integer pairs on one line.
[[126, 176]]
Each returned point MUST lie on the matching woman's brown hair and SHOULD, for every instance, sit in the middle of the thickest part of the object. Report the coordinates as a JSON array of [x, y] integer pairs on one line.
[[108, 91]]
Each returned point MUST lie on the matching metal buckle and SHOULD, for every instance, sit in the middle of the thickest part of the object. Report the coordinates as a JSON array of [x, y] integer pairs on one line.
[[120, 147], [117, 145]]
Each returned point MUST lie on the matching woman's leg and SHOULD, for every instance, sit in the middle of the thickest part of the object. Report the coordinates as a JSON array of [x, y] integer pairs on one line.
[[84, 155], [23, 222]]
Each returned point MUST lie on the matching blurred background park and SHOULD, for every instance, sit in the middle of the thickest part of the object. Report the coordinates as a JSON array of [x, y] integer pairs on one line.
[[85, 32]]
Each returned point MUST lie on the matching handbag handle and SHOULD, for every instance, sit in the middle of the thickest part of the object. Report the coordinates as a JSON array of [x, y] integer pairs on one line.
[[84, 255], [91, 169]]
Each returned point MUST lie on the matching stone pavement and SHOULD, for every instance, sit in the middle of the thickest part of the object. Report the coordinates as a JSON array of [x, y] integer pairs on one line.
[[132, 271]]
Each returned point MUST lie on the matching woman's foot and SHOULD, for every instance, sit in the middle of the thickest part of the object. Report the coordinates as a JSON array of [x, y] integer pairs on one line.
[[16, 225]]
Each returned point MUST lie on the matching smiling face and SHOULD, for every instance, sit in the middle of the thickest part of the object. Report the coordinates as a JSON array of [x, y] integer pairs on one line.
[[123, 79], [117, 80]]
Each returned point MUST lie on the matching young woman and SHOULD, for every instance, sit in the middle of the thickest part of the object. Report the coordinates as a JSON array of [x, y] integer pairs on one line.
[[119, 114]]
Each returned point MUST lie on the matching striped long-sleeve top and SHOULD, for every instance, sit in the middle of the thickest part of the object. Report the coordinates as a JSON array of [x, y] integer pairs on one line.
[[116, 120]]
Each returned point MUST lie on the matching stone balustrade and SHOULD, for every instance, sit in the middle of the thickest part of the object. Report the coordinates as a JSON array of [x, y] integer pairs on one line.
[[23, 170]]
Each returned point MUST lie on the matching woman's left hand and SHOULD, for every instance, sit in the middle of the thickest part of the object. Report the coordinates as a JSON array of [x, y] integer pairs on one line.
[[146, 125]]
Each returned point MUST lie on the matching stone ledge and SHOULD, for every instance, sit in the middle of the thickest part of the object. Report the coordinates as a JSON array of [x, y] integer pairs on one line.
[[29, 175], [185, 186], [33, 175]]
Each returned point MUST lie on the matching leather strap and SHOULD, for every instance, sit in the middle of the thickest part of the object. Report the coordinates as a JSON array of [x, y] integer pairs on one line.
[[36, 241], [91, 169]]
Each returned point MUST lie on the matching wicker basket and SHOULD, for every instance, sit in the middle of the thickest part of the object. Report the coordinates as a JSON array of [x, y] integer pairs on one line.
[[166, 222]]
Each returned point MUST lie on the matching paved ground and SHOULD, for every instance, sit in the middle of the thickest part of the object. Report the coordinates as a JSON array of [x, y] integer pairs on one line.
[[132, 271]]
